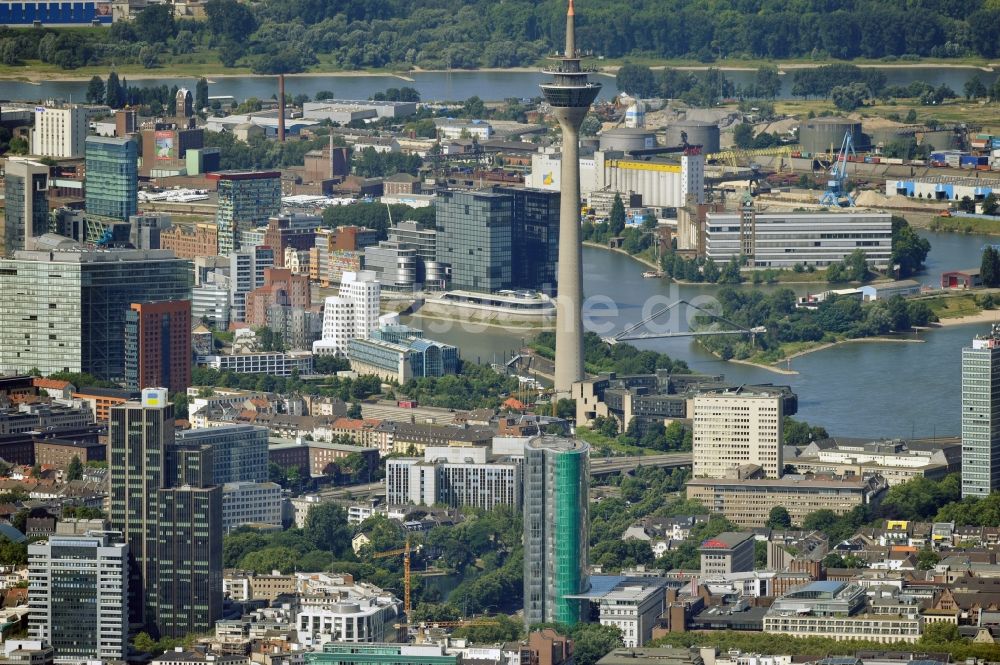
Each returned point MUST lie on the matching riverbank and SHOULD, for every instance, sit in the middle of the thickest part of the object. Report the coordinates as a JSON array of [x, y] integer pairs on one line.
[[986, 316], [643, 261]]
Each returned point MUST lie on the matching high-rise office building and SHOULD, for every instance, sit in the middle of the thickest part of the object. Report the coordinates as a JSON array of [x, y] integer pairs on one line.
[[65, 309], [246, 273], [353, 314], [158, 345], [737, 427], [556, 477], [475, 232], [59, 132], [189, 545], [164, 502], [535, 238], [26, 203], [246, 200], [570, 95], [77, 595], [981, 415], [112, 183]]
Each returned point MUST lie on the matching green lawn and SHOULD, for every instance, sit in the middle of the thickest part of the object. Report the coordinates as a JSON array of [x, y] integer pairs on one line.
[[951, 307], [966, 225]]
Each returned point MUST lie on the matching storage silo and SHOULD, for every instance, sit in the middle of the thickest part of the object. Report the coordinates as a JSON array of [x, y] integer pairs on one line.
[[697, 132], [819, 134], [627, 139]]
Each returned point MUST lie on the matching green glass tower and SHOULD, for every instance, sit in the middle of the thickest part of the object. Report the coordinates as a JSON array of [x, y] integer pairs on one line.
[[556, 478], [112, 177]]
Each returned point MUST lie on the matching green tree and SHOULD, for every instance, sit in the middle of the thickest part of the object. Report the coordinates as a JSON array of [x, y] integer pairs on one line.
[[743, 135], [114, 93], [95, 90], [75, 469], [857, 266], [155, 24], [849, 97], [927, 558], [779, 518], [354, 411], [636, 80], [909, 250], [616, 220], [566, 408], [326, 526], [990, 204], [201, 94], [230, 19], [767, 83], [730, 273], [989, 267], [974, 88], [593, 641], [262, 562]]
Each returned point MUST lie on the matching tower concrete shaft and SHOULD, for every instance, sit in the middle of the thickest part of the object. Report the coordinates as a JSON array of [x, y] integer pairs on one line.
[[570, 95]]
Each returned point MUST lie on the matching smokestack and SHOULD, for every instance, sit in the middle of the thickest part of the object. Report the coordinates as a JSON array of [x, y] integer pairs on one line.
[[281, 107]]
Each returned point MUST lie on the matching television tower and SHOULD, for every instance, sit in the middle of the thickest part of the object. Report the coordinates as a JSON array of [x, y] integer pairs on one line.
[[570, 96]]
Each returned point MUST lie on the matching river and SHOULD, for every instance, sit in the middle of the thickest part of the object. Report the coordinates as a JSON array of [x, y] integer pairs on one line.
[[459, 85], [865, 389]]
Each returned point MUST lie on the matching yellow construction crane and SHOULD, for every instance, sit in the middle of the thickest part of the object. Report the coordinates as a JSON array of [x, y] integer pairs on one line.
[[735, 157], [405, 551]]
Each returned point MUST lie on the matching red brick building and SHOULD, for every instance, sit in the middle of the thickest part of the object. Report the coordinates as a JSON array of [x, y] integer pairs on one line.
[[281, 287], [158, 345]]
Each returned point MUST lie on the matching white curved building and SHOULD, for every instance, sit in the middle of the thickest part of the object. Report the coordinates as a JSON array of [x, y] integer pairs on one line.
[[353, 314]]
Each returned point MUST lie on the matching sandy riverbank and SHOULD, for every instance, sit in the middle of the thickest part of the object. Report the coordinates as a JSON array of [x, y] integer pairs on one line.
[[986, 316]]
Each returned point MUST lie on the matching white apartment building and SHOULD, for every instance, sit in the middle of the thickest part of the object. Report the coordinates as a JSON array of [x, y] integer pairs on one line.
[[246, 273], [59, 132], [633, 607], [352, 314], [250, 503], [89, 626], [733, 428], [456, 128], [278, 364], [347, 612], [454, 476], [784, 239]]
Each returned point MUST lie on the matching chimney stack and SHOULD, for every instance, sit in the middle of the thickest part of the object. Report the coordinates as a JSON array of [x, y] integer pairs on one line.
[[281, 107]]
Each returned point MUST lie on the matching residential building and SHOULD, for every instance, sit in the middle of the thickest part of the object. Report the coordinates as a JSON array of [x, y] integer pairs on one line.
[[297, 232], [26, 203], [634, 606], [78, 595], [348, 612], [733, 428], [352, 314], [400, 183], [280, 288], [190, 241], [786, 239], [27, 652], [278, 364], [239, 452], [158, 345], [59, 132], [112, 177], [163, 501], [455, 477], [102, 399], [66, 308], [334, 653], [246, 503], [475, 236], [246, 273], [556, 481], [981, 415], [315, 458], [299, 327], [337, 251], [247, 199], [746, 498], [728, 552], [413, 438], [58, 453]]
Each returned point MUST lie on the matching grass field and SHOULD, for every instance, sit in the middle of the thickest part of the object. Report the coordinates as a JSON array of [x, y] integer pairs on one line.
[[966, 225], [950, 307]]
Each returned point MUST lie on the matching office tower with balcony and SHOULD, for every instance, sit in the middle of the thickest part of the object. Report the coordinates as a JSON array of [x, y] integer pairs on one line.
[[247, 199], [474, 236], [556, 480]]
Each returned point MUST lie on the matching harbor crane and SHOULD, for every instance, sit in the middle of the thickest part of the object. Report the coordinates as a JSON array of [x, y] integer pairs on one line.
[[631, 332], [836, 193]]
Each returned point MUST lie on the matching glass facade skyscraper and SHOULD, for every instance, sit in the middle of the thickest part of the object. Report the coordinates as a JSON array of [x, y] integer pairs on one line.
[[246, 200], [474, 237], [556, 480], [65, 310], [535, 238], [112, 177], [26, 213], [981, 415]]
